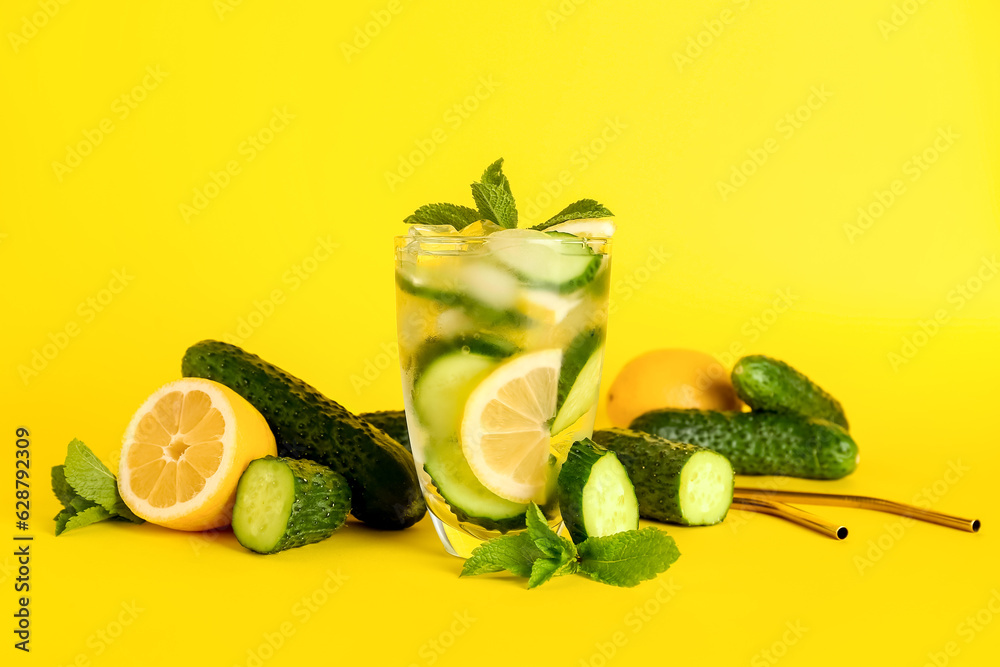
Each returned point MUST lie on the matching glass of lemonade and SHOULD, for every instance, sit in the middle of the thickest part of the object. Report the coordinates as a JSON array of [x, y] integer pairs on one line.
[[501, 339]]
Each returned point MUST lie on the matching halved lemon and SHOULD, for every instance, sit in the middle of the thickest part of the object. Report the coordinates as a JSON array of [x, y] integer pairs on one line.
[[184, 451], [505, 425]]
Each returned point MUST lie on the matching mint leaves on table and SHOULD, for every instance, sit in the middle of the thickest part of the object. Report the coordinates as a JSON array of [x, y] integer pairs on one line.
[[495, 202], [624, 559], [87, 490], [585, 209], [458, 217], [627, 558]]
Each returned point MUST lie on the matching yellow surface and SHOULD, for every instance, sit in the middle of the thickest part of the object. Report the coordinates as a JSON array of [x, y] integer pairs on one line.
[[105, 259]]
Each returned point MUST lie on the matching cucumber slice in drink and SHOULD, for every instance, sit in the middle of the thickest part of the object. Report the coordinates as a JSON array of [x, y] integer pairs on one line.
[[579, 379], [595, 494], [550, 260], [466, 496], [446, 373], [674, 482], [422, 284], [284, 503]]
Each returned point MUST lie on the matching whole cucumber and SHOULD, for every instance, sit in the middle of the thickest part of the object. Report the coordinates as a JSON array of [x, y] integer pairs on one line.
[[307, 425], [392, 422], [760, 443], [765, 383]]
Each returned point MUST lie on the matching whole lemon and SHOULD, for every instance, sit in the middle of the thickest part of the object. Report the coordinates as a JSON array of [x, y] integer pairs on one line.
[[669, 378]]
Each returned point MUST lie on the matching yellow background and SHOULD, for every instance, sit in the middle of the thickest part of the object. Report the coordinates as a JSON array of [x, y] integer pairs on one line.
[[600, 91]]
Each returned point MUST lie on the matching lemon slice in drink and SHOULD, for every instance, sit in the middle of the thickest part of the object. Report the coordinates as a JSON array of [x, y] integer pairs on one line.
[[505, 425], [184, 452], [590, 228]]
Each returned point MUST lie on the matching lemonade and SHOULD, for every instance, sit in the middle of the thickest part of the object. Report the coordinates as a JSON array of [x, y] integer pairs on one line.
[[501, 337]]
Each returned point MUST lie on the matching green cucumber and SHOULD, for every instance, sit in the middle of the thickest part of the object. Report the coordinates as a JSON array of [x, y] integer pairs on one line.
[[674, 482], [411, 282], [596, 497], [579, 379], [307, 425], [392, 423], [466, 496], [550, 260], [765, 383], [285, 503], [760, 443], [446, 373]]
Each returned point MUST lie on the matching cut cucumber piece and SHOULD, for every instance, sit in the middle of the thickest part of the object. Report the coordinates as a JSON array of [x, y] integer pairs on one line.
[[674, 482], [579, 379], [550, 260], [466, 496], [422, 284], [596, 496], [284, 503], [447, 372]]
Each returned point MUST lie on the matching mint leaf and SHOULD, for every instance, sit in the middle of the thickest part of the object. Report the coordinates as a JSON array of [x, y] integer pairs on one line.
[[79, 503], [89, 477], [64, 492], [62, 518], [514, 553], [84, 518], [443, 214], [585, 209], [87, 490], [627, 558], [544, 569], [550, 544], [493, 196], [121, 511]]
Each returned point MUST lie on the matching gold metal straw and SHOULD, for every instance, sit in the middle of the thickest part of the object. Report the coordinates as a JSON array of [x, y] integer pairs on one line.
[[863, 502], [789, 513]]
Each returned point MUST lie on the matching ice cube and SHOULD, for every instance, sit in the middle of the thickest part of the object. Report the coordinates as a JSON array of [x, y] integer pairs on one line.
[[481, 228], [432, 230], [488, 284], [453, 322]]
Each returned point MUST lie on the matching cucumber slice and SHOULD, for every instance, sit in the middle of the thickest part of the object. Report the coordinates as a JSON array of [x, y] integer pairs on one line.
[[596, 496], [674, 482], [466, 496], [579, 379], [550, 260], [447, 372], [421, 284], [284, 503]]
